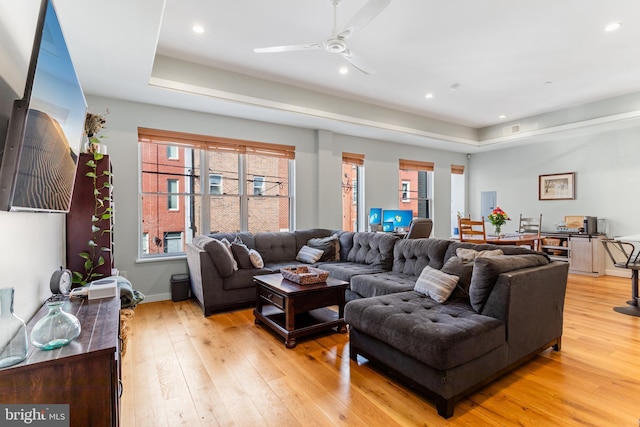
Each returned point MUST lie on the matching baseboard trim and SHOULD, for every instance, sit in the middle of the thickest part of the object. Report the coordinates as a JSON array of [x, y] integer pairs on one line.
[[156, 298]]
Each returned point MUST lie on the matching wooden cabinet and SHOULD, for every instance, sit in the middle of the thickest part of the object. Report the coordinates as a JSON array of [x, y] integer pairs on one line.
[[584, 253], [84, 374], [79, 218]]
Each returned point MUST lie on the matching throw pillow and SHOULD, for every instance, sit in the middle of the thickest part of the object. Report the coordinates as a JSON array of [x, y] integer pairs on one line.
[[471, 254], [309, 255], [227, 245], [463, 269], [220, 256], [329, 245], [256, 258], [436, 284], [487, 270], [241, 254]]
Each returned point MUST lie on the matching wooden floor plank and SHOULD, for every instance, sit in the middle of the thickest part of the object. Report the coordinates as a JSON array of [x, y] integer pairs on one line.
[[184, 369]]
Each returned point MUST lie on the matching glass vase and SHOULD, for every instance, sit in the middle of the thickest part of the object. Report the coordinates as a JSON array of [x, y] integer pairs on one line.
[[57, 329], [13, 332], [498, 229]]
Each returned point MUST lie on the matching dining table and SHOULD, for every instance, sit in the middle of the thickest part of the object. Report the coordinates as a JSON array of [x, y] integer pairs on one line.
[[519, 239]]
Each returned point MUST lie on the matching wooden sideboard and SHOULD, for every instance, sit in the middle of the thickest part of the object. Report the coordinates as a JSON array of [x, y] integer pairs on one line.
[[584, 253], [84, 374]]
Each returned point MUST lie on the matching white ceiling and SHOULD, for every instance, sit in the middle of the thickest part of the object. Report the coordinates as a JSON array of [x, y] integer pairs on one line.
[[518, 58]]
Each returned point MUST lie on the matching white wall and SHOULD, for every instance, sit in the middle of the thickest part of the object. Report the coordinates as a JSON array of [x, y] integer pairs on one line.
[[318, 165], [606, 164]]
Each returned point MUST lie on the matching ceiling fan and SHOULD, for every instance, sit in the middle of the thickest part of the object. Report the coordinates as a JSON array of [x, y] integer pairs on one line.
[[337, 42]]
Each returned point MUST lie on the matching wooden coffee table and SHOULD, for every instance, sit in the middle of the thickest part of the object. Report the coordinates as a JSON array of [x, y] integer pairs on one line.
[[293, 310]]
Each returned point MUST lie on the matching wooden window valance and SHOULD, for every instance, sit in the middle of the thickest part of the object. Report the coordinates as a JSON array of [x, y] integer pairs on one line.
[[215, 143]]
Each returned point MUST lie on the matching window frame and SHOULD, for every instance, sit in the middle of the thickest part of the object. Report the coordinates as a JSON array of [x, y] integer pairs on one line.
[[197, 166]]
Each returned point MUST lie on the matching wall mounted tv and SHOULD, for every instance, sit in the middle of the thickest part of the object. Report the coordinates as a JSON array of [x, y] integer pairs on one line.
[[40, 153]]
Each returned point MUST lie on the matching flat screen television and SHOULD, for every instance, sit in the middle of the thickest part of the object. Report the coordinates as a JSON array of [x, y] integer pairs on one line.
[[400, 218], [40, 153]]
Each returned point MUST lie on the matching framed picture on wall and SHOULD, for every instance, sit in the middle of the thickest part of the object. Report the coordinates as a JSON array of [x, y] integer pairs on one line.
[[558, 186]]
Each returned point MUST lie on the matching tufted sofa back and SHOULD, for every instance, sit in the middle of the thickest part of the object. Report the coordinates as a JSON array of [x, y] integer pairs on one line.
[[373, 249], [411, 256]]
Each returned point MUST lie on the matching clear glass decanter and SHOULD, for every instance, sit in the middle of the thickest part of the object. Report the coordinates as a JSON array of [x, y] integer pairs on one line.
[[13, 332], [57, 329]]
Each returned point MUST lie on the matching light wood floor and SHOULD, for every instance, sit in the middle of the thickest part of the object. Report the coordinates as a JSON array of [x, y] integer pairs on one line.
[[184, 369]]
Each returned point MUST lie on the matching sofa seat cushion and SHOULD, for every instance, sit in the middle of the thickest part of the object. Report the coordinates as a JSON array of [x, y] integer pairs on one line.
[[346, 270], [277, 266], [390, 282], [442, 336]]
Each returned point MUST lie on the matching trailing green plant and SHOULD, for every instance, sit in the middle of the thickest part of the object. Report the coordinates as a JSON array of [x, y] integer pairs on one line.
[[102, 211]]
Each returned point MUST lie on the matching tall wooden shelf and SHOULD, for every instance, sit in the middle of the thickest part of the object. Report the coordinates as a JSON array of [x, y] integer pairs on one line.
[[79, 217], [85, 374]]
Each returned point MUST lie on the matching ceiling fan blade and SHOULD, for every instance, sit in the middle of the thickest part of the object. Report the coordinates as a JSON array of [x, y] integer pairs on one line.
[[358, 62], [364, 16], [289, 48]]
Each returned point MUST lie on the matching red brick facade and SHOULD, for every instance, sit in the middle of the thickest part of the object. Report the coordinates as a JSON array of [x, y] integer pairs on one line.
[[165, 217]]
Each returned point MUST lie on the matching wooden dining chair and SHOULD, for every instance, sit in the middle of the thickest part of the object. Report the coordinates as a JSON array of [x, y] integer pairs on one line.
[[531, 226], [472, 231]]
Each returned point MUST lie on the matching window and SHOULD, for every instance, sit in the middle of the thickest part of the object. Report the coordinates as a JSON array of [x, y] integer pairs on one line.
[[405, 197], [145, 243], [172, 152], [352, 192], [245, 188], [355, 189], [457, 196], [173, 242], [172, 189], [258, 185], [416, 187], [215, 183]]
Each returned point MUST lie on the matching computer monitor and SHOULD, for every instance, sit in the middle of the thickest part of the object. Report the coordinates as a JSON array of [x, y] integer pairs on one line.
[[375, 216], [388, 227], [400, 218]]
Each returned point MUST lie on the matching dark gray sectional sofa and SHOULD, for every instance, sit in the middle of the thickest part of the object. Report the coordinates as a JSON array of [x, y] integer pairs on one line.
[[217, 286], [504, 311], [510, 309]]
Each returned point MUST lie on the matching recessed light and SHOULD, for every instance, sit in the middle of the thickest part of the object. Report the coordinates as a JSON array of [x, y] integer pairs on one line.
[[343, 70], [502, 116], [612, 26], [429, 95], [455, 86], [548, 82], [198, 29]]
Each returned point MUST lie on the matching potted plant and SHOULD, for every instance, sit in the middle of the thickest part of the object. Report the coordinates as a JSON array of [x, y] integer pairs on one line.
[[102, 211]]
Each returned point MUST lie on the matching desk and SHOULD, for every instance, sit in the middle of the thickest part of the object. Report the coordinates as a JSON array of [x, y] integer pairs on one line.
[[517, 240]]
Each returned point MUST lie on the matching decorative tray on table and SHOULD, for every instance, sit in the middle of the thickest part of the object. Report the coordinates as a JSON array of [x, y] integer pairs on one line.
[[304, 275]]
